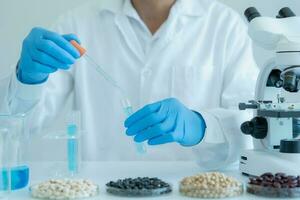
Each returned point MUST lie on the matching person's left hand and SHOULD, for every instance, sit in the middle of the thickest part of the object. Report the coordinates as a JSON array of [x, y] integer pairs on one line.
[[164, 122]]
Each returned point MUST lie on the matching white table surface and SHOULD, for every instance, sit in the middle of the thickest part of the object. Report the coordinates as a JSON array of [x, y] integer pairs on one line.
[[103, 172]]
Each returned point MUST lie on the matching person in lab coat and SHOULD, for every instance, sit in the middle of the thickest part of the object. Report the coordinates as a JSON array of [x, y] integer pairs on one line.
[[184, 64]]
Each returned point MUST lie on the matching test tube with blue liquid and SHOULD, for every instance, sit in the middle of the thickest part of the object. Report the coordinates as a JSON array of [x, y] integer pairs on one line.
[[128, 110], [73, 125], [127, 107]]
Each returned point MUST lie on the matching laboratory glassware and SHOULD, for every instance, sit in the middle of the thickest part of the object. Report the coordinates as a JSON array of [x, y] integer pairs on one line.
[[66, 154], [138, 187], [64, 189], [273, 192], [5, 169], [73, 126], [127, 107], [63, 149], [15, 141], [138, 192]]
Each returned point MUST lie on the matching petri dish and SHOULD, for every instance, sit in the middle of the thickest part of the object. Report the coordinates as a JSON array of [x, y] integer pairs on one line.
[[138, 192], [273, 192], [214, 193], [138, 187], [211, 185], [59, 192]]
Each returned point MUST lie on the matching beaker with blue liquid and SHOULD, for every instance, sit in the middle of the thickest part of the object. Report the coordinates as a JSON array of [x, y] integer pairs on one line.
[[5, 170], [14, 172]]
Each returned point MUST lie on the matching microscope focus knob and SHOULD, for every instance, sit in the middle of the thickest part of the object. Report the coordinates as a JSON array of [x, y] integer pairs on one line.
[[290, 146], [257, 127]]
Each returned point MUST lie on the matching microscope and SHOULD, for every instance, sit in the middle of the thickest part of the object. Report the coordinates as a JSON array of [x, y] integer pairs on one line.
[[276, 126]]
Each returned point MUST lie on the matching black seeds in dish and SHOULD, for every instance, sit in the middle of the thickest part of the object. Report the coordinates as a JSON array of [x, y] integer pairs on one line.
[[140, 186], [140, 183]]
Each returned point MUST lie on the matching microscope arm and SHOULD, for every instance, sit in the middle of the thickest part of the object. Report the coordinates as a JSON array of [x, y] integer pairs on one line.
[[276, 34]]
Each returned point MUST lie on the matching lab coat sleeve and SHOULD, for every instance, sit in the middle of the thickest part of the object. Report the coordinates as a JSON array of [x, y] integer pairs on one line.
[[223, 140], [19, 97], [40, 102]]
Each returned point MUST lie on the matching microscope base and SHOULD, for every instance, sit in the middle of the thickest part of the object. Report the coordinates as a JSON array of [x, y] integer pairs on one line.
[[257, 162]]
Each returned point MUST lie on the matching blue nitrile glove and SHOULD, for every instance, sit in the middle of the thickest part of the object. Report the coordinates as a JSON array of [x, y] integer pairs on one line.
[[166, 121], [44, 52]]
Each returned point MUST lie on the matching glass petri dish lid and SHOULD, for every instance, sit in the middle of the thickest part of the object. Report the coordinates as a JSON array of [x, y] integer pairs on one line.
[[63, 191], [214, 193], [138, 192], [266, 191]]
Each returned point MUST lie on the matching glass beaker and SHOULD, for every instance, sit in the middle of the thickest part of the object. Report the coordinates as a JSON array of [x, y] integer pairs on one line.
[[64, 149], [14, 172], [63, 177], [5, 169]]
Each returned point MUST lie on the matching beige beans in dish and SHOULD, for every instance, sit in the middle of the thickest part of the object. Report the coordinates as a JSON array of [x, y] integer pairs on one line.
[[61, 189], [210, 185]]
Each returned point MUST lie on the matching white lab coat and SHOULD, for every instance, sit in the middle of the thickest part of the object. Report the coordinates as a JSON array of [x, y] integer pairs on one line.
[[202, 55]]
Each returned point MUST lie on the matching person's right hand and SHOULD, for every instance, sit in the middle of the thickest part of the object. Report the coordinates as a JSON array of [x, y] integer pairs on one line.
[[44, 52]]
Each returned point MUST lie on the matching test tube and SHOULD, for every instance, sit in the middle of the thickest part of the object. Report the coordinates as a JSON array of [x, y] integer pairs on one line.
[[72, 142], [128, 110]]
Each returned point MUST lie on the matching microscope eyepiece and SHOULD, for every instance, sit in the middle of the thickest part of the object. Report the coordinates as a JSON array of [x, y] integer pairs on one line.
[[251, 13], [285, 12]]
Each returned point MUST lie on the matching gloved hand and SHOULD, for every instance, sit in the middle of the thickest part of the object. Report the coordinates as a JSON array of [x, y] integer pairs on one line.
[[166, 121], [44, 52]]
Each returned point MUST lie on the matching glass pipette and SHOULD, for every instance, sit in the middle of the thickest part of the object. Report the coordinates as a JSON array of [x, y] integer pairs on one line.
[[127, 107]]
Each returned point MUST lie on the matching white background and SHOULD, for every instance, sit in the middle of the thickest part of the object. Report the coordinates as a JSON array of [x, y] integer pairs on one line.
[[17, 17]]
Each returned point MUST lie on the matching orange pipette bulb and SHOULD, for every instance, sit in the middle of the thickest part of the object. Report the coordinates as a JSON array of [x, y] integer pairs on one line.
[[81, 50]]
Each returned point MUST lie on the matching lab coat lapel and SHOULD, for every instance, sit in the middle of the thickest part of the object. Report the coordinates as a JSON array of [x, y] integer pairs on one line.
[[171, 31], [181, 13], [129, 36]]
